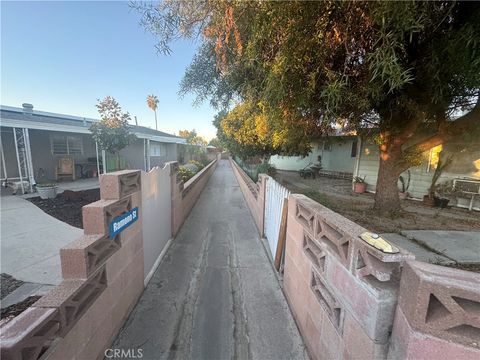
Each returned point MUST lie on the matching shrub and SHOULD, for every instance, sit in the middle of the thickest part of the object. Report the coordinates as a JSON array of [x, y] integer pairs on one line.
[[202, 158], [198, 164], [266, 168], [185, 173]]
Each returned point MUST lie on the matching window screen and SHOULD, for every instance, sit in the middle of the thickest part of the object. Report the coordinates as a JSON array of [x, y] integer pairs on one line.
[[66, 145], [75, 145], [157, 149]]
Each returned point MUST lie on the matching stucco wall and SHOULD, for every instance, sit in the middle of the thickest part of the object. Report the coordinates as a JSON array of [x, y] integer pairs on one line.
[[134, 155], [171, 155], [338, 158]]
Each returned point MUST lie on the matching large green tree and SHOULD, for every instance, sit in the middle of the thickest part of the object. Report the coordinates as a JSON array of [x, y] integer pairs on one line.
[[408, 71]]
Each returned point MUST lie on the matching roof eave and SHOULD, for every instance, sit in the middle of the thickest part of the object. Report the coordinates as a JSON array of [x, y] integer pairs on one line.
[[36, 125]]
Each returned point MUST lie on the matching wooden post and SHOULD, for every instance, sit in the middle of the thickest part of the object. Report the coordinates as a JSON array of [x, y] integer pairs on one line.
[[282, 235]]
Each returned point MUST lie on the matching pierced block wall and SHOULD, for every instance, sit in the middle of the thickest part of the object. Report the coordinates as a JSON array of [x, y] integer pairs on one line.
[[342, 292], [438, 314], [103, 279], [352, 301]]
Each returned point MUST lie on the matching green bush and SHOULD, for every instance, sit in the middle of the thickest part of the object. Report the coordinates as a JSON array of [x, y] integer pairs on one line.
[[198, 164], [202, 158], [185, 174], [268, 169]]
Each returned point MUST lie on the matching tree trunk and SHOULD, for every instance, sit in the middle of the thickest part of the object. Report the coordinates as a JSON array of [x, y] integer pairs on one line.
[[386, 195], [118, 161], [156, 125]]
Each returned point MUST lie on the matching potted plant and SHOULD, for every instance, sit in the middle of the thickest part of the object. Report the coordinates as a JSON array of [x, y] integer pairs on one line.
[[405, 185], [47, 190], [359, 185], [430, 199]]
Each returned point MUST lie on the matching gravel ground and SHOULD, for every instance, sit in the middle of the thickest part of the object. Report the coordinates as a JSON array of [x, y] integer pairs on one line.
[[8, 284], [16, 309]]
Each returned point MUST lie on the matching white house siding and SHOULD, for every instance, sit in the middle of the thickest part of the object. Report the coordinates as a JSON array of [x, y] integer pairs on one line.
[[420, 177], [338, 158], [293, 163], [368, 164]]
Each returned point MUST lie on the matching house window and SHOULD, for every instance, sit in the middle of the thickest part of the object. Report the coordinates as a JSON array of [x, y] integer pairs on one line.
[[327, 146], [354, 149], [66, 145], [157, 149]]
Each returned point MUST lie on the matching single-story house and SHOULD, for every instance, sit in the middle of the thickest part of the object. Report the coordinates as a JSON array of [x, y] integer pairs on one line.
[[351, 156], [34, 142], [337, 155]]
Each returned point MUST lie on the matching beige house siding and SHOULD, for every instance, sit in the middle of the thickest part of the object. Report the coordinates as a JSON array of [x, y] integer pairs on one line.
[[466, 166]]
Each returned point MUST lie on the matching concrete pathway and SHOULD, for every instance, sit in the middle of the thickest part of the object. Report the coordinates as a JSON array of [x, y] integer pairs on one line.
[[31, 241], [215, 295], [421, 252], [461, 246], [440, 247]]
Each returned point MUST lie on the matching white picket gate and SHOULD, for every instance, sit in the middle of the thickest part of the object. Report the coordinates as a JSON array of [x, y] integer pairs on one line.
[[274, 197]]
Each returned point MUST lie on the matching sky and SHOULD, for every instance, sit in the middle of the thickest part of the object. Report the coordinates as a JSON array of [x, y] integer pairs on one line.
[[63, 56]]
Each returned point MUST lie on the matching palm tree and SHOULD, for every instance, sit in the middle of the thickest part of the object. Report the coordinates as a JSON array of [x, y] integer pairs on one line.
[[152, 102]]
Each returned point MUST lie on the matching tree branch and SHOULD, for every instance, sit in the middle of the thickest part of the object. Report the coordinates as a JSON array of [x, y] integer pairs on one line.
[[464, 124]]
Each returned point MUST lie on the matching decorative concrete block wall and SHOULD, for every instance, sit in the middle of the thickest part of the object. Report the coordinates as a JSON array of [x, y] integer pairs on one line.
[[342, 292], [184, 195], [438, 314], [103, 279], [254, 194], [352, 301]]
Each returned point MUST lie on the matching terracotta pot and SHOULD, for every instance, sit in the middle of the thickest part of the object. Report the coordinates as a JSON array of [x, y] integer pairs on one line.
[[403, 195], [359, 188]]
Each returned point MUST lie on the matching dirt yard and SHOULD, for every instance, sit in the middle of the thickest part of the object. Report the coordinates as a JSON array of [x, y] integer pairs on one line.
[[337, 195], [67, 207]]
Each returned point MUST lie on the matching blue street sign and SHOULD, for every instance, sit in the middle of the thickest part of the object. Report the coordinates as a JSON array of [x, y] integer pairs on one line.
[[123, 221]]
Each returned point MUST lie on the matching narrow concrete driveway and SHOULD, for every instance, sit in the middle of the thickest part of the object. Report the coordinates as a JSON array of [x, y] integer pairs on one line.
[[31, 241], [215, 295]]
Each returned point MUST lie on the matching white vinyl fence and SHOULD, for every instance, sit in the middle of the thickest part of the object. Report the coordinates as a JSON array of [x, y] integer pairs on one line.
[[156, 217], [274, 197]]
